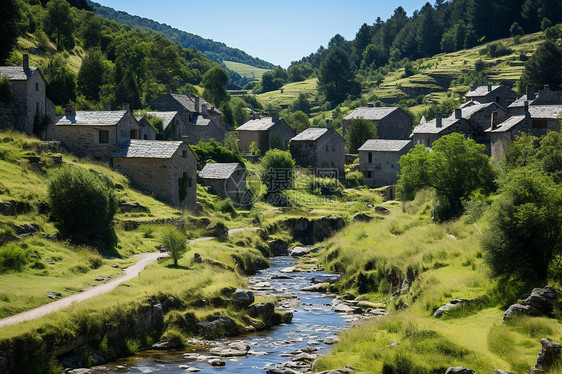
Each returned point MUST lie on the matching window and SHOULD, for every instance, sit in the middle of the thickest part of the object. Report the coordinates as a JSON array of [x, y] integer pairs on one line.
[[134, 134], [540, 123], [332, 164], [36, 109], [104, 136], [36, 86], [370, 157], [184, 154], [145, 137]]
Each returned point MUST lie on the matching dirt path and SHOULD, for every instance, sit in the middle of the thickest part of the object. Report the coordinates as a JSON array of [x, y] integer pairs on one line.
[[129, 273]]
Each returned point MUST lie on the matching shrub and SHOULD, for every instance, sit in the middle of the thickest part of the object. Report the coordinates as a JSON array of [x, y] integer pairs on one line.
[[326, 186], [214, 151], [83, 205], [175, 338], [175, 244], [12, 257], [354, 179], [278, 170]]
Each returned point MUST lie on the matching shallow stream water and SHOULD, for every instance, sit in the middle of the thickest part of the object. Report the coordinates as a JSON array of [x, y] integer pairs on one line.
[[314, 320]]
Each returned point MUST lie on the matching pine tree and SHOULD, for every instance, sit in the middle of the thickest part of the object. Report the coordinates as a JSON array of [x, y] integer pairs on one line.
[[9, 17]]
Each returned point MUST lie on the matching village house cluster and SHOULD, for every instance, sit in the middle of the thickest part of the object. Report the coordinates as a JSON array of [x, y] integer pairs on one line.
[[491, 115]]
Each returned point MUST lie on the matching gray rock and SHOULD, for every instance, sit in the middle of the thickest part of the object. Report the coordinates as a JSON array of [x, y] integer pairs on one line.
[[498, 371], [53, 295], [236, 349], [330, 278], [217, 362], [540, 302], [101, 278], [218, 231], [197, 258], [263, 311], [27, 228], [282, 370], [459, 370], [132, 208], [322, 287], [220, 326], [548, 356], [305, 357], [455, 305], [243, 298], [331, 340], [300, 251], [381, 209], [278, 247], [362, 217]]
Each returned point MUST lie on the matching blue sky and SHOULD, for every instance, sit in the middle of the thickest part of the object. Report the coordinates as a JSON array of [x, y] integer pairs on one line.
[[276, 31]]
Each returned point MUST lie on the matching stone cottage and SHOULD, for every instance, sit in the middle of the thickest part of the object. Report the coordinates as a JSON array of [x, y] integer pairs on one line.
[[322, 149], [166, 168], [533, 98], [225, 179], [30, 111], [378, 160], [203, 121], [391, 122], [537, 121], [491, 94], [146, 131], [427, 132], [96, 134], [173, 126], [265, 134], [479, 117]]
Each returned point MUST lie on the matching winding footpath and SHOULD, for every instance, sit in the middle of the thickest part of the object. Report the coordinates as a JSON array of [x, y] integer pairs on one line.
[[129, 273]]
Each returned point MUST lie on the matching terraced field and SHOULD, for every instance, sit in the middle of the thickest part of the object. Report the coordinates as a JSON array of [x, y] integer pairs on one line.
[[244, 70]]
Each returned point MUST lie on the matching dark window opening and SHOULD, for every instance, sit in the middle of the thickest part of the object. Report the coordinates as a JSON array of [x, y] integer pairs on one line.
[[184, 154], [134, 134], [370, 157], [36, 86], [103, 136], [540, 123]]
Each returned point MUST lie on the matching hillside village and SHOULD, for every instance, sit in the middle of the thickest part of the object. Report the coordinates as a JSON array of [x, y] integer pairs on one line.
[[389, 204]]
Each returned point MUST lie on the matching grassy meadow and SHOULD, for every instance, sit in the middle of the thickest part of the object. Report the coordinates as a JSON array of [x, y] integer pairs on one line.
[[245, 70], [290, 93]]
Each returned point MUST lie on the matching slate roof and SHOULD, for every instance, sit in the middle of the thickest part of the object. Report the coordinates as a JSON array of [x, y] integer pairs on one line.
[[17, 73], [519, 102], [135, 148], [166, 117], [469, 111], [546, 111], [310, 134], [262, 124], [469, 103], [189, 103], [372, 114], [201, 121], [508, 124], [431, 128], [216, 170], [92, 118], [481, 91], [384, 145]]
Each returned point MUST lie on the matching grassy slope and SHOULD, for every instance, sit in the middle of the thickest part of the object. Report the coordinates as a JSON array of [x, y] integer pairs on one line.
[[245, 70], [449, 268], [290, 92]]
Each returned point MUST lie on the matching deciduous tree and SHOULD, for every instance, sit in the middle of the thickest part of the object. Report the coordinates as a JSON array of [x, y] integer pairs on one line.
[[9, 16], [59, 22], [214, 81], [61, 81], [359, 131]]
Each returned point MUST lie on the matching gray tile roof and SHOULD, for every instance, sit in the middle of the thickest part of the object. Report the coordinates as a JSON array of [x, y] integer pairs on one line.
[[519, 102], [469, 111], [147, 149], [469, 103], [310, 134], [430, 127], [372, 114], [189, 103], [481, 91], [92, 118], [201, 121], [545, 111], [262, 124], [17, 73], [215, 170], [166, 117], [508, 124], [384, 145]]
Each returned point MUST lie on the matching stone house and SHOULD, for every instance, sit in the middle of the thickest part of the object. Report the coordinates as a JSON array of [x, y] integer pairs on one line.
[[391, 122], [479, 117], [322, 149], [30, 111], [173, 126], [225, 179], [203, 121], [166, 168], [265, 133], [429, 131], [537, 121], [146, 131], [543, 97], [491, 94], [96, 134], [378, 160]]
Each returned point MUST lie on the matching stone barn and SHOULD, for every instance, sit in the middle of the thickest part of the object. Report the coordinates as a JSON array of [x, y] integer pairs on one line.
[[429, 131], [391, 122], [147, 132], [537, 121], [168, 169], [96, 134], [322, 149], [173, 126], [30, 111], [378, 161], [500, 95], [225, 179], [265, 133], [479, 117], [533, 98]]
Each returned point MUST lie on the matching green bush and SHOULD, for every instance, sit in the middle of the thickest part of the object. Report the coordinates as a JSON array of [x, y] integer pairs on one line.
[[326, 186], [214, 151], [278, 170], [354, 179], [12, 257], [175, 244], [83, 205]]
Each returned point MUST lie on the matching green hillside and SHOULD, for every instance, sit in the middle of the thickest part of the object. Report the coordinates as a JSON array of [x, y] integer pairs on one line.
[[245, 70]]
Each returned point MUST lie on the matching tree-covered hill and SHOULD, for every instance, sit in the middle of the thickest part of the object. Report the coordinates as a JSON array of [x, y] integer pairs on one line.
[[215, 51]]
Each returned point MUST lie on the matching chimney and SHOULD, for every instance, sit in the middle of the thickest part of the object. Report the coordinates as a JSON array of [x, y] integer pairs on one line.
[[489, 88], [69, 110], [204, 109], [329, 123], [187, 93], [438, 121], [493, 118], [185, 139], [546, 87], [196, 102], [26, 61], [275, 116], [125, 106], [458, 113], [530, 92], [527, 114], [370, 105], [485, 81]]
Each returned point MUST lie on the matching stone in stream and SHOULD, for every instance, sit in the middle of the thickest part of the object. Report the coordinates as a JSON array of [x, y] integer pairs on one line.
[[331, 340], [331, 278], [217, 362], [243, 298], [300, 251], [322, 287], [236, 349]]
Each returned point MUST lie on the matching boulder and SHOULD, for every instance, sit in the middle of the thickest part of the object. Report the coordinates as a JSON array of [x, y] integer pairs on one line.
[[263, 311], [362, 217], [132, 208], [197, 258], [13, 208], [329, 278], [459, 370], [548, 356], [381, 209], [27, 228], [331, 340], [322, 287], [278, 247], [236, 349], [300, 251], [243, 298], [218, 231], [540, 302], [53, 295], [217, 362], [217, 327], [456, 305]]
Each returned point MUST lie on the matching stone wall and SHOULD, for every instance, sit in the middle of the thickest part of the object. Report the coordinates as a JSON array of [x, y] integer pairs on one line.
[[247, 137], [384, 168], [84, 141], [397, 125], [281, 133]]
